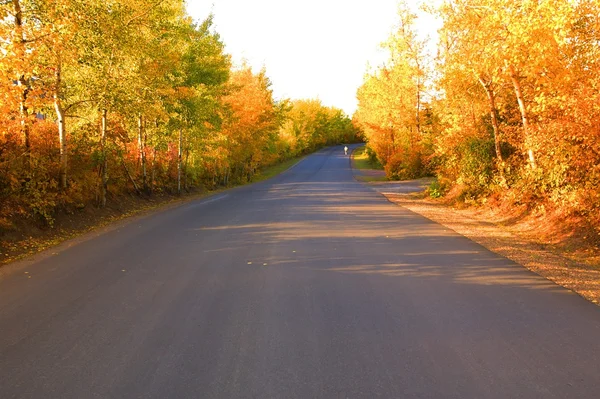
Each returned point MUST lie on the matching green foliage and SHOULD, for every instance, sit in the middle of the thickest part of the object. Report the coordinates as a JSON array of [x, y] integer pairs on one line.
[[309, 125], [476, 163], [41, 198], [372, 155], [363, 158], [436, 189]]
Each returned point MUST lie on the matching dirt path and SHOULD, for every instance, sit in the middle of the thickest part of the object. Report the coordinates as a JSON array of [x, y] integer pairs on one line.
[[580, 276]]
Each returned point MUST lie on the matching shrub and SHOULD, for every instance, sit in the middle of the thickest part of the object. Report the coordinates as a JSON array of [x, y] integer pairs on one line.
[[435, 189], [404, 165]]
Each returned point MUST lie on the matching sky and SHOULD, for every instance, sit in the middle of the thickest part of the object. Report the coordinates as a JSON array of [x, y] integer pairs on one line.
[[310, 49]]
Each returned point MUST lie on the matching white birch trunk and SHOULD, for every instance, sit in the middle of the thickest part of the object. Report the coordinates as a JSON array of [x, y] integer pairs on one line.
[[524, 118], [142, 148], [62, 129], [104, 166], [179, 165], [22, 82], [492, 105]]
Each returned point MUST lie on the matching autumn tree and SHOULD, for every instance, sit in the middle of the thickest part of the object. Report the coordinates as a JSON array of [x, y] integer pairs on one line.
[[198, 88], [309, 125], [391, 110], [132, 96], [251, 126], [516, 79], [18, 28]]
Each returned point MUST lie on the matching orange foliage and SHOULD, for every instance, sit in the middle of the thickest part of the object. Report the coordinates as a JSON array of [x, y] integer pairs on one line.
[[541, 60], [251, 124], [391, 111]]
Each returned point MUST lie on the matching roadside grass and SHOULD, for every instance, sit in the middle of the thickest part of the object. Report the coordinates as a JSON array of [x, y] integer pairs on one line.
[[369, 171], [360, 160], [370, 179], [274, 170]]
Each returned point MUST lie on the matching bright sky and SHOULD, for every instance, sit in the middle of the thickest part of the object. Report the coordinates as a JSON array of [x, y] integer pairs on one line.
[[310, 48]]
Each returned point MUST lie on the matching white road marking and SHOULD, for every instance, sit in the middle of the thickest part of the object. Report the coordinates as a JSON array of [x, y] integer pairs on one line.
[[208, 201]]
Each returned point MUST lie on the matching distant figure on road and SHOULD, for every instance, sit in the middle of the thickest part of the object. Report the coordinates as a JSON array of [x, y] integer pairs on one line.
[[346, 150]]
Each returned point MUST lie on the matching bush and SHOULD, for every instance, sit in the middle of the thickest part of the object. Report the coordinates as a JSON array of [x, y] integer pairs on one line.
[[435, 189], [372, 156], [404, 166], [476, 165]]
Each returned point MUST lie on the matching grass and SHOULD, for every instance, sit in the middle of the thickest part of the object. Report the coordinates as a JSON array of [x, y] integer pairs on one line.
[[368, 179], [369, 171], [274, 170], [360, 160]]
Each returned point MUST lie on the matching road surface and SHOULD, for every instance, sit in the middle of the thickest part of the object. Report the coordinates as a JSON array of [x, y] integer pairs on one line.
[[309, 285]]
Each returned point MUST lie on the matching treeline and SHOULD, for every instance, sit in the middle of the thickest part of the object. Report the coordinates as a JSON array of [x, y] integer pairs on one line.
[[508, 107], [100, 98]]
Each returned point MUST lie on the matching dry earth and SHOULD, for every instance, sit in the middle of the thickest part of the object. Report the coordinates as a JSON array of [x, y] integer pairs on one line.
[[578, 271]]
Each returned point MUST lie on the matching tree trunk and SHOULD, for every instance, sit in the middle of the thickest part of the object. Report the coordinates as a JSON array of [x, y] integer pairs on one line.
[[24, 85], [179, 165], [493, 113], [104, 165], [142, 147], [62, 129], [185, 168], [131, 179], [24, 111], [495, 125], [153, 166], [418, 116], [413, 139], [524, 118], [153, 174]]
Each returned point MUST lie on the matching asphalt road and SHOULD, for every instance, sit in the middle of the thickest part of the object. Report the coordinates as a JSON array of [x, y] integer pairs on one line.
[[309, 285]]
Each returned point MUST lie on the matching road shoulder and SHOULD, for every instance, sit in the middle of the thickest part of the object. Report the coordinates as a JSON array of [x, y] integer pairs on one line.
[[581, 276]]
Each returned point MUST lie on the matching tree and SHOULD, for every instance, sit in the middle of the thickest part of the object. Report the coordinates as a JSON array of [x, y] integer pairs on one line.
[[391, 101], [198, 86], [251, 126]]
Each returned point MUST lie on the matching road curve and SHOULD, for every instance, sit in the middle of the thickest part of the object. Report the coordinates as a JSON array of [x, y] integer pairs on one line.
[[309, 285]]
